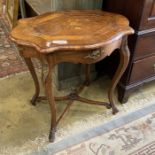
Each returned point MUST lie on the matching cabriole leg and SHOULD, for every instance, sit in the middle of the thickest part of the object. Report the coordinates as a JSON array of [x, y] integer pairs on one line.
[[124, 60], [50, 97], [35, 79]]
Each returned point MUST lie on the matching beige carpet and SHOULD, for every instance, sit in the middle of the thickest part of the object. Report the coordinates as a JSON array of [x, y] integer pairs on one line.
[[25, 128], [133, 134]]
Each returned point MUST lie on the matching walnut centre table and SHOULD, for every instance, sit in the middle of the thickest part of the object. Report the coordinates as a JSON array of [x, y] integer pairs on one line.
[[85, 37]]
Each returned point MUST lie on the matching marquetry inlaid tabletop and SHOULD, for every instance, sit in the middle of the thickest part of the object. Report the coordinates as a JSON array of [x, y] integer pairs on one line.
[[70, 30]]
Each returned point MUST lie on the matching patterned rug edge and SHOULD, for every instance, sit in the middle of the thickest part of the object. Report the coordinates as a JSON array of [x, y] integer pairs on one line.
[[70, 141]]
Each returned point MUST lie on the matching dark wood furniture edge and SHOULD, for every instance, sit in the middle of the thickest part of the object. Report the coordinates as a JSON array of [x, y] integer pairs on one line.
[[123, 98]]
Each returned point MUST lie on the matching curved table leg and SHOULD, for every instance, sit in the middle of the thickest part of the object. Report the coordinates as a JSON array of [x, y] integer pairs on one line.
[[50, 96], [35, 79], [124, 60]]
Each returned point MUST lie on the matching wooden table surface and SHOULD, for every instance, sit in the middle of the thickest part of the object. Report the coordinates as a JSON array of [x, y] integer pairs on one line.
[[70, 30]]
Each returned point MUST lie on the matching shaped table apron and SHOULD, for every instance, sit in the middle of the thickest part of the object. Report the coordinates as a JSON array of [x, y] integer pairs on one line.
[[75, 56]]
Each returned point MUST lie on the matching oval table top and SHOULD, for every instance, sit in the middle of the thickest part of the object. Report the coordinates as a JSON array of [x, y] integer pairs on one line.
[[70, 30]]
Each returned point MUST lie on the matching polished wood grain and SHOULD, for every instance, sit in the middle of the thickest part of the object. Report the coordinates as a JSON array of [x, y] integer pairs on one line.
[[83, 37], [91, 30]]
